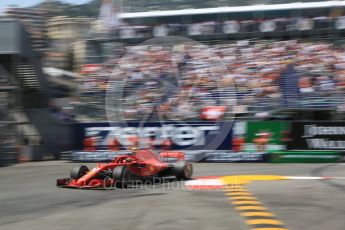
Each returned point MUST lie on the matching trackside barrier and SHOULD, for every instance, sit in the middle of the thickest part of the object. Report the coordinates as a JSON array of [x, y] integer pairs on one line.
[[104, 156], [229, 157], [305, 157], [223, 156], [190, 156], [289, 142]]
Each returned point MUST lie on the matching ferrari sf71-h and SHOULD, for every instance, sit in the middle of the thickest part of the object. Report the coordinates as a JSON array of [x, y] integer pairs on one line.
[[137, 165]]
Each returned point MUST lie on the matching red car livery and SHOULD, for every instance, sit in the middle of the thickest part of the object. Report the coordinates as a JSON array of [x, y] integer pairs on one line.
[[124, 169]]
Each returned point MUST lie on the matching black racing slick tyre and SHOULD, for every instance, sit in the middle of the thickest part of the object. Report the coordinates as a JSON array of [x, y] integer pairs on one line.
[[79, 171], [121, 176], [183, 170]]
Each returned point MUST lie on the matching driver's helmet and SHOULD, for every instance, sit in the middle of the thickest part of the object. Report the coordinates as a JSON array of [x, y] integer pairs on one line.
[[134, 149]]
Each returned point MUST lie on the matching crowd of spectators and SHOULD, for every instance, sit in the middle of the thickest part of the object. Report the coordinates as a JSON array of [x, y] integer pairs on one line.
[[176, 82]]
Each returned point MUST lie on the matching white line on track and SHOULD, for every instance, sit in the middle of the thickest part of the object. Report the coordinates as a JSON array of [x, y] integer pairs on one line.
[[315, 178]]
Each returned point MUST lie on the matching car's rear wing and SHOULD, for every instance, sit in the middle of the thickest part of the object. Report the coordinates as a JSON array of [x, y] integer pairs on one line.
[[172, 156]]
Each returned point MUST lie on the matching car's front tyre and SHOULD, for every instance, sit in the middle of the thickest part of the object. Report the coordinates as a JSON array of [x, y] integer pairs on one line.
[[121, 176], [79, 171]]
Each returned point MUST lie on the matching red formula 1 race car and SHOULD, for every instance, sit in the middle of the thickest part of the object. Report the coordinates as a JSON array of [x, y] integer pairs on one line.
[[124, 169]]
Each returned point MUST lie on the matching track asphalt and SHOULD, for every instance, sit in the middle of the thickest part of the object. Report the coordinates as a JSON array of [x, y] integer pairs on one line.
[[30, 200]]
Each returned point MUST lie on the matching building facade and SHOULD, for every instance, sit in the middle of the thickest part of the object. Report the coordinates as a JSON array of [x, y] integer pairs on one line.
[[34, 22], [65, 28], [66, 38]]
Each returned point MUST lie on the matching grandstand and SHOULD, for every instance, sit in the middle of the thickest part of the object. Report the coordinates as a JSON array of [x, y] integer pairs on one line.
[[156, 5], [286, 60], [238, 22]]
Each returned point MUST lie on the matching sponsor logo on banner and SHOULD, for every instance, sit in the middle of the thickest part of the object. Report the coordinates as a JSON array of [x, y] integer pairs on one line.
[[183, 136], [277, 130], [195, 136], [318, 135]]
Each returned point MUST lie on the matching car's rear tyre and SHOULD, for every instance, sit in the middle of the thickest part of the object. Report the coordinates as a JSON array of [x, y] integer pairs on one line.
[[79, 171], [122, 177], [183, 170]]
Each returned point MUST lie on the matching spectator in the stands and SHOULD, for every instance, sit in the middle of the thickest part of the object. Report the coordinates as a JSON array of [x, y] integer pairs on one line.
[[177, 82]]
